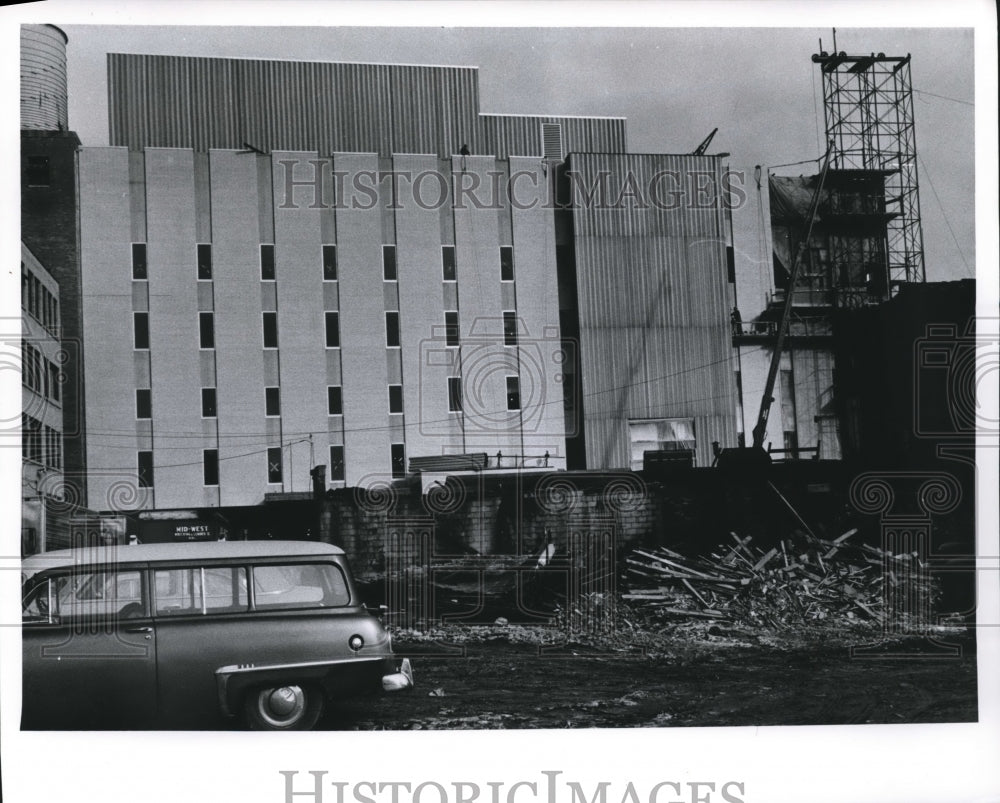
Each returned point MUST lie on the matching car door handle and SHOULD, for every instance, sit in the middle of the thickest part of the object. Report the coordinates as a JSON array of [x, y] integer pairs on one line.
[[138, 630]]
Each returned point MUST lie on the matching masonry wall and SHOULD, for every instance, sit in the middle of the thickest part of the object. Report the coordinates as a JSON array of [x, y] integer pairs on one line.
[[49, 229], [692, 512]]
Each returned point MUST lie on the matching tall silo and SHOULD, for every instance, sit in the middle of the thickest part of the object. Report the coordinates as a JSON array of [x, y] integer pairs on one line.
[[43, 78]]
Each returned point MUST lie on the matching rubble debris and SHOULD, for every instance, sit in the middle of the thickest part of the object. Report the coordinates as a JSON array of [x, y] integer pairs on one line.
[[805, 580]]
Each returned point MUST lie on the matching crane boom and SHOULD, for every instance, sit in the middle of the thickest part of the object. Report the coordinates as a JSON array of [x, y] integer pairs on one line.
[[700, 150], [760, 429]]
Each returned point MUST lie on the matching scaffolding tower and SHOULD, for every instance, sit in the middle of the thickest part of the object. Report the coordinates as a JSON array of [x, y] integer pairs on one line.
[[868, 108]]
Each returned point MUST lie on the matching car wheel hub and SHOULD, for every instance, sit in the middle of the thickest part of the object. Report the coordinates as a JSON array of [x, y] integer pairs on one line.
[[283, 705]]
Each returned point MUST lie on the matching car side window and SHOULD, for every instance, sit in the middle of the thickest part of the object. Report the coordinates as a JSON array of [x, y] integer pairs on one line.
[[37, 605], [98, 594], [200, 590], [299, 585]]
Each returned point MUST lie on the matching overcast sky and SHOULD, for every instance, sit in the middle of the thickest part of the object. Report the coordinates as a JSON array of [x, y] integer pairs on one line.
[[758, 86]]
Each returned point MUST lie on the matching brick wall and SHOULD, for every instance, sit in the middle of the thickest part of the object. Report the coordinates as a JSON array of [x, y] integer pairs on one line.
[[519, 516]]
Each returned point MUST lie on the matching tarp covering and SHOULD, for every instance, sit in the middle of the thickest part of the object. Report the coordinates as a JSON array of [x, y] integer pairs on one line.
[[791, 197]]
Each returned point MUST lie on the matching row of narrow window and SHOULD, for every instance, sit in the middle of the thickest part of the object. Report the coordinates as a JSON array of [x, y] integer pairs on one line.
[[40, 443], [335, 399], [449, 265], [274, 466], [269, 329], [39, 373], [39, 301]]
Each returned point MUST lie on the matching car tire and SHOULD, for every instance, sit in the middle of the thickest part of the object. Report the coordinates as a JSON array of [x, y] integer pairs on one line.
[[283, 708]]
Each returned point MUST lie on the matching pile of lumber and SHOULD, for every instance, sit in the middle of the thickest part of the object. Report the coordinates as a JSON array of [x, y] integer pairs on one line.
[[799, 581]]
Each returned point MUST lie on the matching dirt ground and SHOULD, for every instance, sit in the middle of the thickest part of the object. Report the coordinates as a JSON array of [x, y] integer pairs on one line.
[[495, 679]]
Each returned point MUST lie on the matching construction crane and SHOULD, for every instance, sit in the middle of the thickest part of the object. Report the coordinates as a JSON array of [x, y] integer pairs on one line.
[[700, 150]]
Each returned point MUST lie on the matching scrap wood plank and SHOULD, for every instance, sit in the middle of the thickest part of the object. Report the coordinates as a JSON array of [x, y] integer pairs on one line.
[[706, 614], [671, 563], [866, 609], [736, 551], [763, 561], [699, 596], [841, 538], [792, 509]]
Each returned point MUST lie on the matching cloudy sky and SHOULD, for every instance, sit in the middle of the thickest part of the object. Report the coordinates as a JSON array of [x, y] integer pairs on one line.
[[758, 86]]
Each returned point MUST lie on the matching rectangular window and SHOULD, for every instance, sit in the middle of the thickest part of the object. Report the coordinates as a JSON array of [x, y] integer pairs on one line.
[[454, 394], [513, 393], [334, 400], [139, 261], [332, 330], [140, 329], [329, 263], [398, 460], [208, 403], [267, 263], [198, 590], [789, 419], [392, 329], [510, 328], [37, 173], [272, 401], [143, 403], [506, 263], [337, 463], [448, 270], [145, 469], [389, 263], [270, 326], [307, 585], [395, 398], [204, 261], [451, 328], [274, 465], [54, 381], [206, 329], [210, 466]]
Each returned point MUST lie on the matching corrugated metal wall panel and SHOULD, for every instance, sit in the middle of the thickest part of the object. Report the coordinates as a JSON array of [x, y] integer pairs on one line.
[[653, 308], [414, 121], [459, 109], [520, 135], [204, 103]]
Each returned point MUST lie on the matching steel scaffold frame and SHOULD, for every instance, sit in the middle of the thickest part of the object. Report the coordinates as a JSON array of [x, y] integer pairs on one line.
[[868, 109]]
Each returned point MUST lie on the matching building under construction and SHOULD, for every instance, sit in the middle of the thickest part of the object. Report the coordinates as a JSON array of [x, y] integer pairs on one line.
[[846, 237]]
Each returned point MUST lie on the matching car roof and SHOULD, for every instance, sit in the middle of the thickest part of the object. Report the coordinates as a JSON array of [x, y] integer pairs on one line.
[[188, 550]]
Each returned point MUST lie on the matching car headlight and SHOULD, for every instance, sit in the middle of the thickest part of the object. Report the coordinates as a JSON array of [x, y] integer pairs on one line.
[[355, 642]]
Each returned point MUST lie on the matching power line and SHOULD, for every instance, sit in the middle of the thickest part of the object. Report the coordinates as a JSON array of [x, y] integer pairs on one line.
[[943, 97], [944, 215]]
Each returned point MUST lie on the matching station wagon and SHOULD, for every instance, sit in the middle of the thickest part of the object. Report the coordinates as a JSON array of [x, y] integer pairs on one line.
[[196, 635]]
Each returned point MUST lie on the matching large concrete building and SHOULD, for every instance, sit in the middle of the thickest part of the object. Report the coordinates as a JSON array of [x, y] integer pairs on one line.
[[288, 265]]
